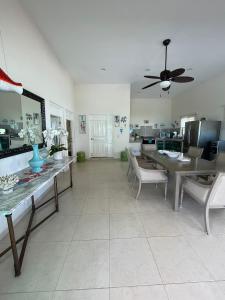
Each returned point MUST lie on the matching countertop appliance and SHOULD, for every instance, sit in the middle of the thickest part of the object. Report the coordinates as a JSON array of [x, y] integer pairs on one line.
[[200, 133]]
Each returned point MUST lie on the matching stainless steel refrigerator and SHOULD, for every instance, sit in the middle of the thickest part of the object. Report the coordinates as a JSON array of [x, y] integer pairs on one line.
[[200, 133]]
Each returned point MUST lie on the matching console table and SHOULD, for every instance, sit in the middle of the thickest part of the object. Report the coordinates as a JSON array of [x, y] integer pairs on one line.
[[30, 183]]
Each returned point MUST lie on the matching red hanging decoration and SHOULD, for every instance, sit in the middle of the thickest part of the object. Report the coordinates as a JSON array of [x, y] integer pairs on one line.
[[8, 85]]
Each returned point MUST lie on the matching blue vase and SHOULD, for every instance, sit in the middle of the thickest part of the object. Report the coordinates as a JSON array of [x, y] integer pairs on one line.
[[36, 162]]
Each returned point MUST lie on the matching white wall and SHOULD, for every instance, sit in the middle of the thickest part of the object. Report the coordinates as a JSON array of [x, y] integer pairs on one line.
[[112, 99], [156, 110], [29, 60], [206, 100]]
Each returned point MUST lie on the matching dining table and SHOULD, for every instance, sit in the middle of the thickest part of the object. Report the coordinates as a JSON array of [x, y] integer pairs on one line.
[[178, 169]]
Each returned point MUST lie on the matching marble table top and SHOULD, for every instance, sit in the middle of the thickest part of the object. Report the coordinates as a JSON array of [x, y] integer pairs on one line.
[[29, 183]]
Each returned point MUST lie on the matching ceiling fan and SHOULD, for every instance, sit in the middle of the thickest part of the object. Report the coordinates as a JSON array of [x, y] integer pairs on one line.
[[166, 77]]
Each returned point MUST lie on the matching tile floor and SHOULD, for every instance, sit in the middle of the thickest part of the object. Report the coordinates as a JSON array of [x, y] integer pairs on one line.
[[103, 244]]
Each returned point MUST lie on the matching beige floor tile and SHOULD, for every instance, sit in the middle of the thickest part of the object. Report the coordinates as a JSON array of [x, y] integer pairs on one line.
[[28, 296], [177, 262], [86, 266], [59, 228], [163, 223], [125, 226], [97, 294], [195, 291], [41, 268], [92, 226], [211, 250], [96, 206], [131, 263], [138, 293], [122, 205]]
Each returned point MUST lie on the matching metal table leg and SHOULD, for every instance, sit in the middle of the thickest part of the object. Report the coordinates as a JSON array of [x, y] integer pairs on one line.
[[56, 195], [71, 175], [18, 259], [17, 266]]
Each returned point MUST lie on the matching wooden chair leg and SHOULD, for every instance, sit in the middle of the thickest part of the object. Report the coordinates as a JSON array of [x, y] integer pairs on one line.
[[165, 190], [206, 218], [139, 190]]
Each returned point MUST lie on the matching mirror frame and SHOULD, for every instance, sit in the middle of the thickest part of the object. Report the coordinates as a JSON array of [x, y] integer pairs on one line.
[[19, 150]]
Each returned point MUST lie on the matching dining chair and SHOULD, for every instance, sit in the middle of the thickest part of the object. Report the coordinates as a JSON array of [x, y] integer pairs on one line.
[[209, 196], [144, 163], [148, 176], [195, 152], [219, 160]]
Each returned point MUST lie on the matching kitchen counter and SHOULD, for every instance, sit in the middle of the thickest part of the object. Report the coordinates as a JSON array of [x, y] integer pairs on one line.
[[170, 139]]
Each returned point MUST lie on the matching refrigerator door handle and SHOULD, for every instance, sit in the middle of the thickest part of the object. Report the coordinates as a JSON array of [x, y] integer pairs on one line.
[[189, 136]]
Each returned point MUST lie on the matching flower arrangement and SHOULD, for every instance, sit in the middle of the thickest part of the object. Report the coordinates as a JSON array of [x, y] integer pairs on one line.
[[8, 182], [32, 133]]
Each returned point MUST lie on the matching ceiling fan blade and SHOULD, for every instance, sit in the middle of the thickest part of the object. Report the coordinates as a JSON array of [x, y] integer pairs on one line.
[[151, 85], [152, 77], [182, 79], [177, 72]]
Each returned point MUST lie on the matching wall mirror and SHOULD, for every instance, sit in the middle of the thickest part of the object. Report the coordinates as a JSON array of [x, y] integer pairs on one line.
[[19, 112]]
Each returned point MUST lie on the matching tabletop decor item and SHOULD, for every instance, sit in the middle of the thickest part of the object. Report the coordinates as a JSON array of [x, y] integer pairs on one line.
[[56, 138], [32, 134], [8, 182]]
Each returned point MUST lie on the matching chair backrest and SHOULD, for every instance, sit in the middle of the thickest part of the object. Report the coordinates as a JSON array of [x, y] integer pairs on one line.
[[135, 166], [220, 159], [195, 152], [216, 196]]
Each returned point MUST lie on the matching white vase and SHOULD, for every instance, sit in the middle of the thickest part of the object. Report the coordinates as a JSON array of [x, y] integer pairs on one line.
[[58, 155]]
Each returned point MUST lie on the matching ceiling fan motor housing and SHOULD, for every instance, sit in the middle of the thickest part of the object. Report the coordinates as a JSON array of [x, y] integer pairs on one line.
[[165, 75]]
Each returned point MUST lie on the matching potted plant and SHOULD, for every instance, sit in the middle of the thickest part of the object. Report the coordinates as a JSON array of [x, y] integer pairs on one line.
[[55, 137], [57, 151]]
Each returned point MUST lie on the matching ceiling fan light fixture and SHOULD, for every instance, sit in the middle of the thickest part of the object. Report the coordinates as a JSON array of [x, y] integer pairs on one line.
[[165, 84]]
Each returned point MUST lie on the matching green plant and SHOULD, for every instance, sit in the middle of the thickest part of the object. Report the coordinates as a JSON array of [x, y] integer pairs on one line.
[[56, 148]]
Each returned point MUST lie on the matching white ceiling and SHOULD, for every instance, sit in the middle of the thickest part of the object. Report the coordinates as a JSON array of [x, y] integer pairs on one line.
[[124, 36]]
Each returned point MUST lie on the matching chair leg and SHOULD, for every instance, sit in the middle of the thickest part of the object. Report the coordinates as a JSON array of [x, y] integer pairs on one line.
[[181, 197], [128, 170], [134, 181], [206, 218], [139, 190], [165, 190]]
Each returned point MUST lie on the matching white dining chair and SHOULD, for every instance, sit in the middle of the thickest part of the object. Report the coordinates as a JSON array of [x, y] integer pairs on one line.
[[142, 162], [148, 176], [209, 196], [195, 152]]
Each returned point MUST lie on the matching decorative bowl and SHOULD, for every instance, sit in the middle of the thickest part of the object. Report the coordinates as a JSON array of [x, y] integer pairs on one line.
[[173, 154]]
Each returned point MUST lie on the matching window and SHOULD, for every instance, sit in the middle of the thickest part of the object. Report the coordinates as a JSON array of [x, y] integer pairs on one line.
[[183, 120]]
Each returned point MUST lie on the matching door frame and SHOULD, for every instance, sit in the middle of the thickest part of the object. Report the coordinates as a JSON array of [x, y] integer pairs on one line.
[[94, 116]]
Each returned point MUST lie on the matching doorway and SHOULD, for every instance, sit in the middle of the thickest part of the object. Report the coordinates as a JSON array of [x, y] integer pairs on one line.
[[100, 135], [69, 137]]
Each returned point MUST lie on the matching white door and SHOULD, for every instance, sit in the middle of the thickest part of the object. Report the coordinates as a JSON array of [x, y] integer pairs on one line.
[[100, 134]]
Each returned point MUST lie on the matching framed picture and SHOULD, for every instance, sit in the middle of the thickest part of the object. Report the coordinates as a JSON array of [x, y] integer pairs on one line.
[[82, 124], [36, 118], [117, 121]]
